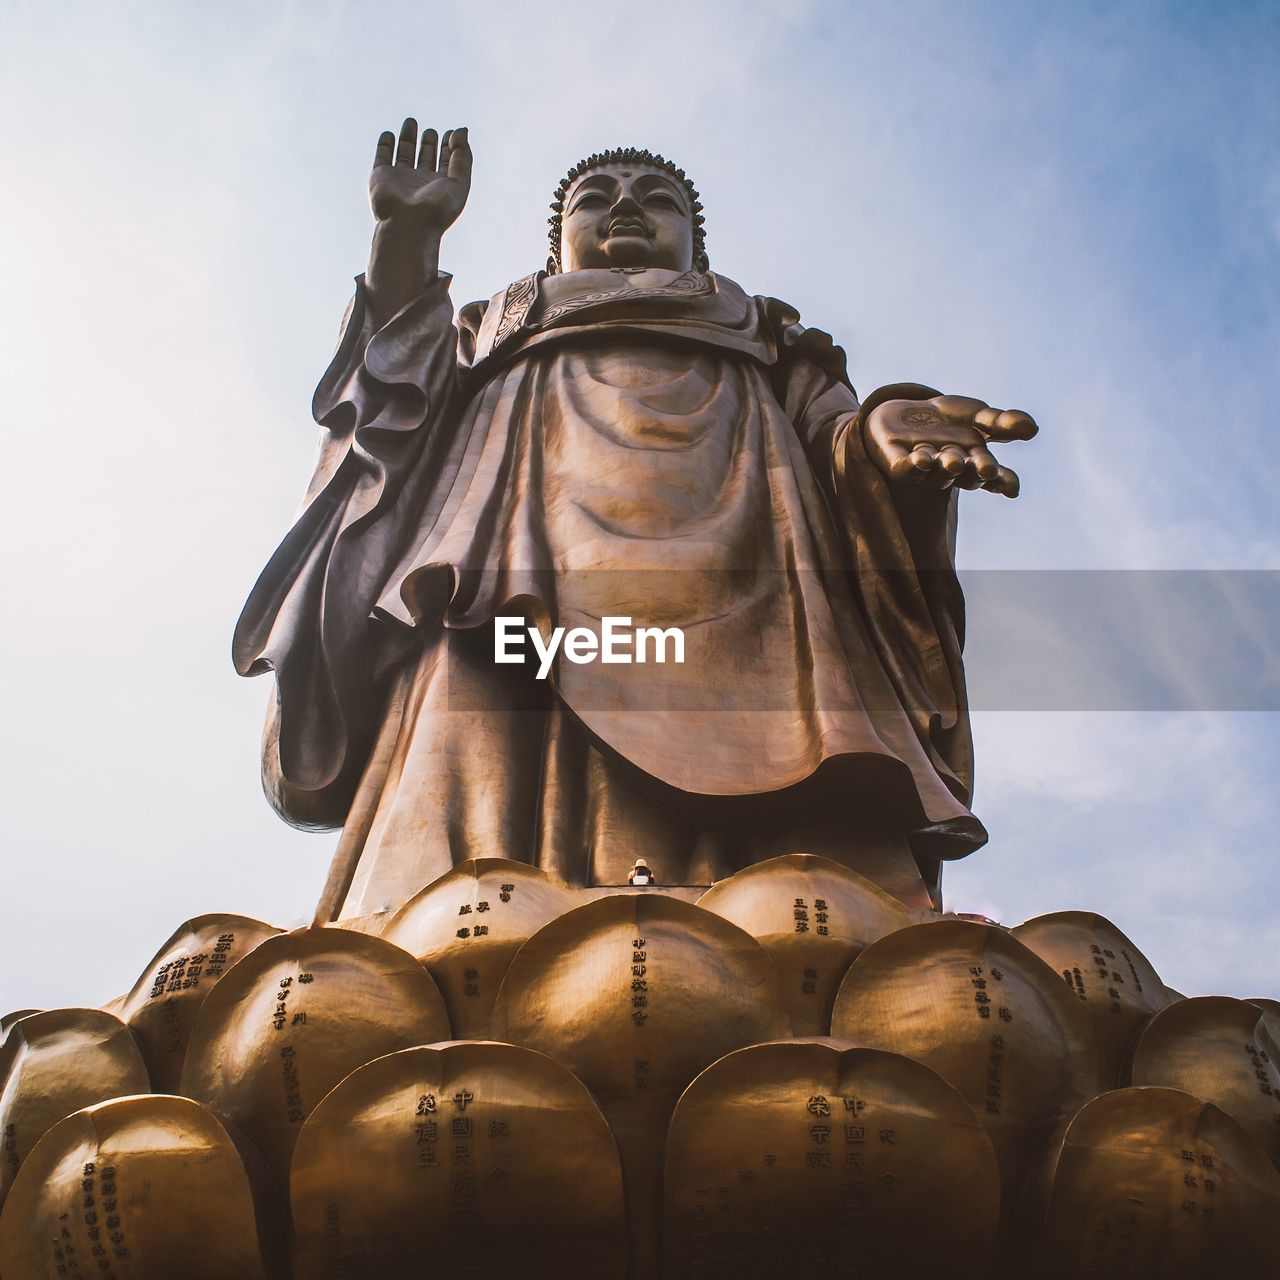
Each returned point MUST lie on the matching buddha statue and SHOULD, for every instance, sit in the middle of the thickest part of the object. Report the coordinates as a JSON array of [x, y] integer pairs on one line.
[[625, 437]]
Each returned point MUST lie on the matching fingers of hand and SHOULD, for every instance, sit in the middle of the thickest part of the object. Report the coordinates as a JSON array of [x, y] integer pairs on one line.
[[938, 478], [979, 468], [937, 468], [459, 160], [1006, 424], [1005, 481], [408, 150], [1013, 424], [959, 409], [982, 464], [924, 464], [985, 419], [898, 461], [427, 150]]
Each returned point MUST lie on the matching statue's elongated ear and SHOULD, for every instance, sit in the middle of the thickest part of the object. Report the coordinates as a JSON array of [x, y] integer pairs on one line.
[[701, 262], [553, 267]]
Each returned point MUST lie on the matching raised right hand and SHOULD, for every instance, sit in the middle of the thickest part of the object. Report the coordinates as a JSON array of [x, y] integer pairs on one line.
[[427, 193]]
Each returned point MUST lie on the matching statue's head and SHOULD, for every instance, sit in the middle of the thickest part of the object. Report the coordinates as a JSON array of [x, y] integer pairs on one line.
[[626, 208]]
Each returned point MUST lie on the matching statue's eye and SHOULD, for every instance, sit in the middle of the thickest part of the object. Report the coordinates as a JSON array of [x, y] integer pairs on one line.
[[662, 198], [589, 200]]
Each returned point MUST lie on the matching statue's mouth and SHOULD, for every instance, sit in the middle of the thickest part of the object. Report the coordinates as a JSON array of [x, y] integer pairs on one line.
[[628, 227]]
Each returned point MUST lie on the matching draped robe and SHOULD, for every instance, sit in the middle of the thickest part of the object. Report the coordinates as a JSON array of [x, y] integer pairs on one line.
[[646, 444]]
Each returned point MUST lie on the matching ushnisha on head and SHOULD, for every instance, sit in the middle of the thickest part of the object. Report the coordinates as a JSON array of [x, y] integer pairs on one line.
[[626, 208]]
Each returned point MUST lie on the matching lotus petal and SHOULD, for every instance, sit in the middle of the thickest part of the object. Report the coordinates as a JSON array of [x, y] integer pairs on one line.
[[1152, 1183], [987, 1015], [1221, 1050], [163, 1004], [55, 1063], [636, 994], [814, 918], [458, 1159], [815, 1155], [466, 926], [1116, 983], [144, 1188], [295, 1016]]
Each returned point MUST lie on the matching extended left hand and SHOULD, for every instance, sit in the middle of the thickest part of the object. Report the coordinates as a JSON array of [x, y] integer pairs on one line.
[[943, 442]]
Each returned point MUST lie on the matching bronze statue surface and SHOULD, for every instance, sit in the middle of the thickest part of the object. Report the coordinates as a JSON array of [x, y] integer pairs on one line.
[[625, 435]]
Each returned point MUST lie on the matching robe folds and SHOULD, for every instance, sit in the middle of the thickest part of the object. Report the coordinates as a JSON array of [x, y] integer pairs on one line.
[[650, 445]]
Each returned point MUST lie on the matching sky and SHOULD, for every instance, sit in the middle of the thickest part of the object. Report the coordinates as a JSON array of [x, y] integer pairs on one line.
[[1068, 208]]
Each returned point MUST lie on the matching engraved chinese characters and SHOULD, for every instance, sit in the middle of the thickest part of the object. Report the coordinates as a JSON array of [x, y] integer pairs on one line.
[[813, 917], [790, 1156], [1112, 978], [148, 1188], [636, 994], [294, 1017], [1221, 1050], [989, 1016], [55, 1063], [466, 926], [163, 1004], [1152, 1184], [458, 1160]]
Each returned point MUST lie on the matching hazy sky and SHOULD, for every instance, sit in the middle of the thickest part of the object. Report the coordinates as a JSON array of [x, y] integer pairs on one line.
[[1071, 208]]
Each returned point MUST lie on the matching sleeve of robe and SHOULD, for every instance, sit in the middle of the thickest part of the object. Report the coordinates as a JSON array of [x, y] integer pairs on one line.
[[901, 541], [384, 405]]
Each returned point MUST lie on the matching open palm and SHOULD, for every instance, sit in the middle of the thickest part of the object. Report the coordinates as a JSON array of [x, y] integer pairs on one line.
[[426, 185], [943, 442]]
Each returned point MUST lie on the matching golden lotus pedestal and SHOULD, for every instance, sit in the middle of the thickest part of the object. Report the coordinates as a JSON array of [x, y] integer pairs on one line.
[[507, 1076]]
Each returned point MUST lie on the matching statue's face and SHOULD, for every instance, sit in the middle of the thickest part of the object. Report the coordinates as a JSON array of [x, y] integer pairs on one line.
[[627, 216]]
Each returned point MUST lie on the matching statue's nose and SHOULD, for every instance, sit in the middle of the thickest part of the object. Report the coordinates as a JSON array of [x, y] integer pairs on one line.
[[625, 204]]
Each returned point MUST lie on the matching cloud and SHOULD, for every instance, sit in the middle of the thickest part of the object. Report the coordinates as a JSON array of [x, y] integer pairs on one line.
[[1157, 821]]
